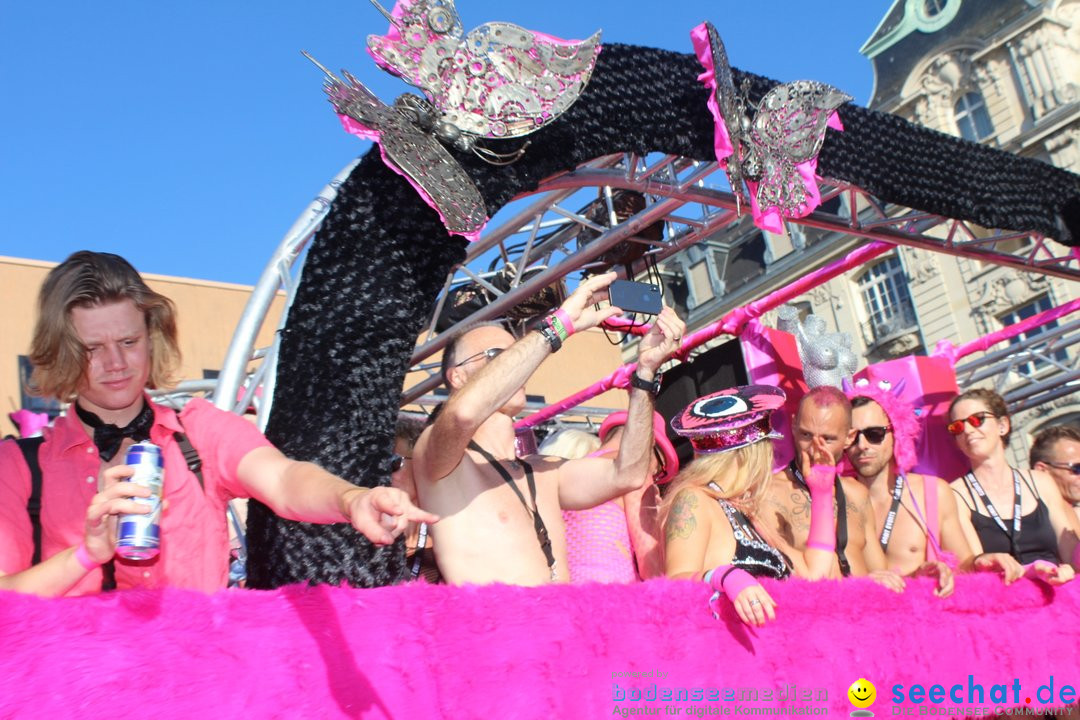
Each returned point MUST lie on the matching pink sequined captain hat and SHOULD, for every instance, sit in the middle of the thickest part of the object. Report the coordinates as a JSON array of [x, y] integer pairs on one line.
[[730, 419]]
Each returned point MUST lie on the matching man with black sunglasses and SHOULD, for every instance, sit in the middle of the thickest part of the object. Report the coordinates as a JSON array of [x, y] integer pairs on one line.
[[1056, 451], [915, 515], [501, 517]]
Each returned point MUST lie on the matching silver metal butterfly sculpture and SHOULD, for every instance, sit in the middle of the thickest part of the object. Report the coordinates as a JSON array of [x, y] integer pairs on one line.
[[499, 81], [786, 128]]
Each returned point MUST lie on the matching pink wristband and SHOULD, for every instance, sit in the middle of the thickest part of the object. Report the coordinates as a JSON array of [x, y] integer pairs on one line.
[[84, 558], [564, 318], [822, 534], [731, 580]]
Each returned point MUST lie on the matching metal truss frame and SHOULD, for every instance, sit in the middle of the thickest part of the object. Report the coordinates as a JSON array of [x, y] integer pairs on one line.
[[1029, 372], [694, 201], [539, 234]]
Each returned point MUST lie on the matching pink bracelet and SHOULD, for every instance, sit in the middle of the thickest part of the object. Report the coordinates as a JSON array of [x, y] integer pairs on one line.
[[83, 557], [564, 318]]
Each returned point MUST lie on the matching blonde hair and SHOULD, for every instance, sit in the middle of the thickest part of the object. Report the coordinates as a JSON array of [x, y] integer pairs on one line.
[[90, 279], [570, 444], [742, 474]]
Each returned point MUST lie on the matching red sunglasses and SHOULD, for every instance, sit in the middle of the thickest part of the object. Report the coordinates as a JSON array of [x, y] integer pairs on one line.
[[976, 421]]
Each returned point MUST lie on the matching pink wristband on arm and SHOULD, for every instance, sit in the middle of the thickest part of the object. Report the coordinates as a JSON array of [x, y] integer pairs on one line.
[[564, 318], [83, 557], [821, 484], [729, 580]]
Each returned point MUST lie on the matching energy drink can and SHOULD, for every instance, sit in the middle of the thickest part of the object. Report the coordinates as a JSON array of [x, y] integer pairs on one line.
[[139, 536]]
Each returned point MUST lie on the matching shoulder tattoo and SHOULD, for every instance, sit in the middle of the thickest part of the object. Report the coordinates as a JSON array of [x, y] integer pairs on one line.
[[681, 523]]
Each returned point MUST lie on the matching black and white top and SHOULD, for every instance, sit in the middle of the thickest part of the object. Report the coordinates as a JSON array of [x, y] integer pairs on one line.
[[752, 553]]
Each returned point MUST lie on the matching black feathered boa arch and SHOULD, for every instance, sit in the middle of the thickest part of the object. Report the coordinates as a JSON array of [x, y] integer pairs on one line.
[[375, 268]]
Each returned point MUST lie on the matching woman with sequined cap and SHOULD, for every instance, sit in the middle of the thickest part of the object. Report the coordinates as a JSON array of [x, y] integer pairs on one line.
[[1018, 520], [709, 528]]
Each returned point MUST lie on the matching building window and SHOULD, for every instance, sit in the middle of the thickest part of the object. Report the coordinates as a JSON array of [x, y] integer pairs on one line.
[[1036, 306], [31, 402], [972, 119], [700, 285], [885, 294]]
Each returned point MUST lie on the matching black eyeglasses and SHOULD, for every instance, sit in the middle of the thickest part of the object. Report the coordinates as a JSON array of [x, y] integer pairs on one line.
[[490, 354], [976, 421], [1074, 468], [873, 435], [397, 462]]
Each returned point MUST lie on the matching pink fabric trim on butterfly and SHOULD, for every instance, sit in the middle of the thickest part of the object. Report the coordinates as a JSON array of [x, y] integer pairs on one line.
[[769, 218]]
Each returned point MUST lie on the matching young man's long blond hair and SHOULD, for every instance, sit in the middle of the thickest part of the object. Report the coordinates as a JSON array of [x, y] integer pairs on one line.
[[88, 279]]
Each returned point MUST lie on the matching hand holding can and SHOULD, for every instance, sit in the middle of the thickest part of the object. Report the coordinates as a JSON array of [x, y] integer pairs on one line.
[[139, 536]]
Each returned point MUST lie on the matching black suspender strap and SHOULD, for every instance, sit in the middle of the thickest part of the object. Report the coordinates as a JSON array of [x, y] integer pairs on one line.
[[538, 522], [29, 448], [191, 456]]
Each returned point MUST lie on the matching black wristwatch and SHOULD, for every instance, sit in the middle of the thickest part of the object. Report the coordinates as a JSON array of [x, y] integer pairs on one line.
[[649, 386]]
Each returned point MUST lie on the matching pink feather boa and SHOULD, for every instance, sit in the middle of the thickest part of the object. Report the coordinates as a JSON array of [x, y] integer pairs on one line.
[[433, 651]]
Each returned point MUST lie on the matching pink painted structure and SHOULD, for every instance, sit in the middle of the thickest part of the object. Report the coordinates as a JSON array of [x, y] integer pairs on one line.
[[427, 651]]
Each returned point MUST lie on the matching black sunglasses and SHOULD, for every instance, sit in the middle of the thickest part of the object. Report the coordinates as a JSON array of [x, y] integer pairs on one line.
[[1074, 468], [397, 462], [873, 435], [490, 354]]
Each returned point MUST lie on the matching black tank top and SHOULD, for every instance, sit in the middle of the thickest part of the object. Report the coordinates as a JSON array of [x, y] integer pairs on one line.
[[1036, 540], [752, 553]]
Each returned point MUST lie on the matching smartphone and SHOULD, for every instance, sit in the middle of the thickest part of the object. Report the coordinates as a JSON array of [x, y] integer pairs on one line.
[[636, 297]]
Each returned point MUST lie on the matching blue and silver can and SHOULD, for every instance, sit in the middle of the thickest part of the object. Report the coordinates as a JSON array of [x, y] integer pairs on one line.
[[139, 536]]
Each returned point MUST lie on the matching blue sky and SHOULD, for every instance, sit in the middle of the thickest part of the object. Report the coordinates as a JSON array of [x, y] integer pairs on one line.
[[188, 136]]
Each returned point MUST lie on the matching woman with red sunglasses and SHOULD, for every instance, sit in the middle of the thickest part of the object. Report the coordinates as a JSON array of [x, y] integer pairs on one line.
[[1018, 522]]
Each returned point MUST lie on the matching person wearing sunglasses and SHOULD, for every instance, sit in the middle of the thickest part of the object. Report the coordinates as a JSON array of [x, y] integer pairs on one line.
[[1017, 522], [916, 517], [500, 514], [1056, 451]]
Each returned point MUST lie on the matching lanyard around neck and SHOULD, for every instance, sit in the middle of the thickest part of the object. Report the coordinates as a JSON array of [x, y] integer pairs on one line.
[[1015, 534], [538, 522], [890, 519]]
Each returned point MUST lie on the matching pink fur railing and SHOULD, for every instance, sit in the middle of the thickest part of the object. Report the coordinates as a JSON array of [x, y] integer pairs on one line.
[[423, 651]]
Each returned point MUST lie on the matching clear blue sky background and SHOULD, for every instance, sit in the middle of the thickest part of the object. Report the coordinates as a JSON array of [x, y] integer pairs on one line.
[[188, 136]]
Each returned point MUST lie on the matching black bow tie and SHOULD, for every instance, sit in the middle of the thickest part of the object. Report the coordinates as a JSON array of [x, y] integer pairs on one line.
[[109, 437]]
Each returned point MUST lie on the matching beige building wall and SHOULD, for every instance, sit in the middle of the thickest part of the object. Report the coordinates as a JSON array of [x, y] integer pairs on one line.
[[207, 315]]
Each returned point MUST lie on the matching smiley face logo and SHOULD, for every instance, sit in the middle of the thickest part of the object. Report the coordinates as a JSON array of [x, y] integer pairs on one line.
[[862, 694]]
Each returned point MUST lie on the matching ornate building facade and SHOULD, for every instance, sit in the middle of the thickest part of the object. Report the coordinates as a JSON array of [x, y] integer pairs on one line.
[[1001, 72]]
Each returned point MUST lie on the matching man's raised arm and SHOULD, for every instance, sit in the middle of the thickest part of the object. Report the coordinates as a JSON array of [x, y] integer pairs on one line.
[[477, 395], [584, 483]]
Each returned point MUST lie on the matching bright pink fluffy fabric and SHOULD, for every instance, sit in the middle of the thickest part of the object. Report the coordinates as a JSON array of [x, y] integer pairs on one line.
[[425, 651]]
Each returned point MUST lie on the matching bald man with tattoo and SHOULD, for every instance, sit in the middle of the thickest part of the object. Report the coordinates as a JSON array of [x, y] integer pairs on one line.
[[822, 431]]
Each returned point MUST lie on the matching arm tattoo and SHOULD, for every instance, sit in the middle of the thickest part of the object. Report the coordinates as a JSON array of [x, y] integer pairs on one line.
[[682, 522]]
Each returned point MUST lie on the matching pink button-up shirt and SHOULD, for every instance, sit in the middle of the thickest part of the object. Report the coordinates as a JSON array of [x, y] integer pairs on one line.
[[194, 532]]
